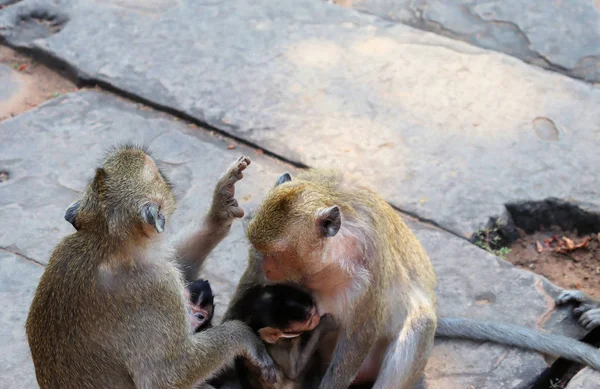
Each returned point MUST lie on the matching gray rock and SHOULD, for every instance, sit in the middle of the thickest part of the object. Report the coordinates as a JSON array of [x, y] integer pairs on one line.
[[18, 279], [585, 379], [444, 130], [561, 36]]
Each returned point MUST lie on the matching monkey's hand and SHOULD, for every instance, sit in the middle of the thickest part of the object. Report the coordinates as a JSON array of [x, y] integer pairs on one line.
[[570, 296], [225, 207], [588, 310]]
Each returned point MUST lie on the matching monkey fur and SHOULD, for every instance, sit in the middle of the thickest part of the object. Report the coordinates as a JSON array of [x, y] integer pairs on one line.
[[109, 310], [345, 245], [274, 312], [587, 310]]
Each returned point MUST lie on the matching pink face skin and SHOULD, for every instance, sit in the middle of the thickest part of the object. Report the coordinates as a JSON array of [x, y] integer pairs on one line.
[[197, 315]]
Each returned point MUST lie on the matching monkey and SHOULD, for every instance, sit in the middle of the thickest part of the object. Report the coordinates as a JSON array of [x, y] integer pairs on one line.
[[364, 266], [275, 313], [109, 310], [200, 305], [588, 309]]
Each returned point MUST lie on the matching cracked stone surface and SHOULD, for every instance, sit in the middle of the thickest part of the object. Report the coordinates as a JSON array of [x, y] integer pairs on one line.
[[43, 153], [444, 130], [585, 379], [18, 279], [559, 35]]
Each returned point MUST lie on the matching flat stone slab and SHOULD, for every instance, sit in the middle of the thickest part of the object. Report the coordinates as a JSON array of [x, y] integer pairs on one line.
[[51, 151], [18, 279], [559, 35], [444, 130], [585, 379]]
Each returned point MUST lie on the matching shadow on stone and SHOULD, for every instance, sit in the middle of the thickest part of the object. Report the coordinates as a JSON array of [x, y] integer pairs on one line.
[[532, 216]]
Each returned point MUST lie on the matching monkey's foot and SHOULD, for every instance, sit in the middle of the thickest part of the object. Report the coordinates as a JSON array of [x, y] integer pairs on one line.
[[570, 296], [225, 207], [590, 317]]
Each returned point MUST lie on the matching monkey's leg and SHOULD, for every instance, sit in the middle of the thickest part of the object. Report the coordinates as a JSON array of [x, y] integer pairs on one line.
[[407, 355], [194, 244]]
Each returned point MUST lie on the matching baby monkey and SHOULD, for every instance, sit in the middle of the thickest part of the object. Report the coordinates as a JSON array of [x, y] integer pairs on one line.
[[200, 305], [286, 319]]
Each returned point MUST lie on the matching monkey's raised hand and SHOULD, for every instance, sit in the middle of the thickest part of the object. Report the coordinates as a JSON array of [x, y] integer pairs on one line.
[[225, 207]]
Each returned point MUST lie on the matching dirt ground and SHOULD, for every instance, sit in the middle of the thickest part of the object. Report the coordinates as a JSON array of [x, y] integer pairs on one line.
[[548, 253], [38, 83]]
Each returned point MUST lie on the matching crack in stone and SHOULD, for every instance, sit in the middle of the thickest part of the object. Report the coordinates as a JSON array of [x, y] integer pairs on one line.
[[22, 256]]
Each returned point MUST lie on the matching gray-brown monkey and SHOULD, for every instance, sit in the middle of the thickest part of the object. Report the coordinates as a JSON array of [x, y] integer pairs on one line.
[[364, 266], [109, 311]]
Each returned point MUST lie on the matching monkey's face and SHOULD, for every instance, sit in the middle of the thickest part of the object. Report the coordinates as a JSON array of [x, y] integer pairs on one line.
[[128, 193], [291, 228], [200, 305]]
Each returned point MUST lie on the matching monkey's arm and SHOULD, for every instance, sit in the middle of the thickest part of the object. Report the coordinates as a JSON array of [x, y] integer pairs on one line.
[[350, 351], [201, 357], [522, 337], [194, 244], [588, 309], [251, 278]]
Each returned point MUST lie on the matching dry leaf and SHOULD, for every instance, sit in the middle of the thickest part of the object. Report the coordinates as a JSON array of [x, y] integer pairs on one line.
[[259, 151], [538, 246], [230, 147], [22, 67], [569, 242], [584, 243]]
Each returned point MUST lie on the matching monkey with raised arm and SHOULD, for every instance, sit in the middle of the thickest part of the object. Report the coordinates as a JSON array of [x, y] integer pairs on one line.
[[109, 310], [364, 266]]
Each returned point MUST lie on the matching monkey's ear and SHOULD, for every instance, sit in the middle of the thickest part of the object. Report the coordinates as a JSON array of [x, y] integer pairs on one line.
[[329, 221], [270, 334], [285, 177], [71, 213], [151, 215]]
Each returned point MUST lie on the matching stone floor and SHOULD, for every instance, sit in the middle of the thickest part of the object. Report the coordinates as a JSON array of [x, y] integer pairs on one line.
[[449, 132]]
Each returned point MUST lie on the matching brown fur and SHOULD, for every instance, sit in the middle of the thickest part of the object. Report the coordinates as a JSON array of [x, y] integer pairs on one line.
[[109, 311], [373, 275]]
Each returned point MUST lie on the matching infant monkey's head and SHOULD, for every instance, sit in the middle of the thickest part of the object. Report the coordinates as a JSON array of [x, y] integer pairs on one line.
[[283, 311]]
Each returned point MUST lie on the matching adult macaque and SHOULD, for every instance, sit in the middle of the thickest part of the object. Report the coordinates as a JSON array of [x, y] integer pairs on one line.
[[110, 311], [363, 265]]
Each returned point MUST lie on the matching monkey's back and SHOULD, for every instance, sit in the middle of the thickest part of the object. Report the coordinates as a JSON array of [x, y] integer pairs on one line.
[[75, 332]]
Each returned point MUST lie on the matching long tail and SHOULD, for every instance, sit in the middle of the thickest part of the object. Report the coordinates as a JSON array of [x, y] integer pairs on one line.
[[522, 337]]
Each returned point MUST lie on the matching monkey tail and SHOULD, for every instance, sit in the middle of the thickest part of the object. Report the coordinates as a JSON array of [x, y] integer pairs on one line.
[[522, 337]]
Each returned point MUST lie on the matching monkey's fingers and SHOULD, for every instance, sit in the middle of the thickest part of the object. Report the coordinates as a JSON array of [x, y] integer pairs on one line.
[[234, 173], [590, 319], [569, 296]]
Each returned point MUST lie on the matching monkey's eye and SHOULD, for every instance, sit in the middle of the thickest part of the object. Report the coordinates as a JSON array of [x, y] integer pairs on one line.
[[199, 316]]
